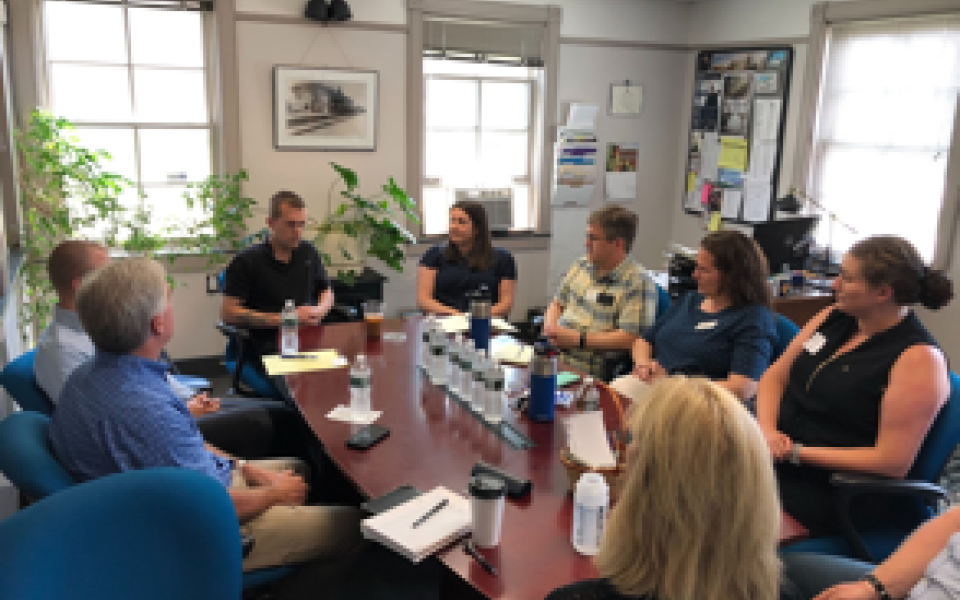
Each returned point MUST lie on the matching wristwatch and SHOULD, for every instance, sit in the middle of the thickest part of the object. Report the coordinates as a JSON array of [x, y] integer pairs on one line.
[[795, 453], [882, 592]]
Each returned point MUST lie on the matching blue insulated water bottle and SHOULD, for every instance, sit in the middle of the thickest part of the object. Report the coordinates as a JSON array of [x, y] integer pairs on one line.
[[543, 382], [480, 313]]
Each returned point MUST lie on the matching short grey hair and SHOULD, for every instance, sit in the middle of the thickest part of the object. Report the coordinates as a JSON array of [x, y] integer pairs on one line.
[[117, 303]]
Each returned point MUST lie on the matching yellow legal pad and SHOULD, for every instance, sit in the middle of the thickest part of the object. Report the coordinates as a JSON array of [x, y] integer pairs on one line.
[[319, 360]]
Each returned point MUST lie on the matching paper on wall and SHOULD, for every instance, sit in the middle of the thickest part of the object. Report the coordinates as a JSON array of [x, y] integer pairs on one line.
[[710, 153], [733, 153], [766, 118], [756, 199], [732, 199], [621, 186], [582, 116], [762, 159]]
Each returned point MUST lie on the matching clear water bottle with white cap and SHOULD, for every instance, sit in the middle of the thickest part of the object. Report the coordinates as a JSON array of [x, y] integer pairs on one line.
[[360, 387], [493, 409], [591, 500], [455, 353], [468, 358], [289, 340], [439, 366], [479, 394], [429, 324]]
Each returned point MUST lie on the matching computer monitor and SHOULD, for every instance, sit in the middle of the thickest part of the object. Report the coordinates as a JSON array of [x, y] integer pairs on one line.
[[783, 242]]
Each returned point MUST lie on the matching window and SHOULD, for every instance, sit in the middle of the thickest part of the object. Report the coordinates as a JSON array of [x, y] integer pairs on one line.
[[132, 79], [478, 138], [883, 135]]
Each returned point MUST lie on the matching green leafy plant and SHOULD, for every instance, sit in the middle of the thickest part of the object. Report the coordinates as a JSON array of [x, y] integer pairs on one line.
[[65, 191], [223, 229], [368, 220]]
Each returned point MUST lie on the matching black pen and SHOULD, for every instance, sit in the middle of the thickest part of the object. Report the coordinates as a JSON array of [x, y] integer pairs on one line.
[[431, 512], [469, 549], [299, 356]]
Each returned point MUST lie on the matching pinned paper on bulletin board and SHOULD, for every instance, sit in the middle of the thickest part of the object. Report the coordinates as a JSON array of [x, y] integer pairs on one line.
[[705, 194], [732, 199], [691, 180], [733, 153]]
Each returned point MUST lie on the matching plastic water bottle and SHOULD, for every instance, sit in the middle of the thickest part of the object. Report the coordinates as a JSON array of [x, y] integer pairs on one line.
[[591, 397], [429, 324], [455, 352], [590, 503], [493, 410], [479, 394], [468, 358], [360, 387], [438, 357], [289, 340]]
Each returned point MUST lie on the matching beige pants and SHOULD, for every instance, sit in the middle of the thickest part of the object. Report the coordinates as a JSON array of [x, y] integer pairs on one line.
[[294, 534]]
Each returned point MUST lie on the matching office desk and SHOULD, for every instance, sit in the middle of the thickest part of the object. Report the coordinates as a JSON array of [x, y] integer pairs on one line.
[[434, 441]]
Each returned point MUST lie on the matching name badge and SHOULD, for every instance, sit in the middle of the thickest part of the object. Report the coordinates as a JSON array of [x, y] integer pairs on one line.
[[815, 343], [591, 296], [706, 325]]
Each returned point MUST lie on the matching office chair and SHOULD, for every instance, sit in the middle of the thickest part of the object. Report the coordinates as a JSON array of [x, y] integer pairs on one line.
[[920, 483], [154, 534], [786, 331], [18, 379], [247, 380], [620, 362], [27, 460]]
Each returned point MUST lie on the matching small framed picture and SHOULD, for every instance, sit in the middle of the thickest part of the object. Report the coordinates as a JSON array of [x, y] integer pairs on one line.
[[324, 109], [626, 99]]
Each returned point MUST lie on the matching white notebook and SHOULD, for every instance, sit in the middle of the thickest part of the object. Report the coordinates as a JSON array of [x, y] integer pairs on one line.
[[394, 528]]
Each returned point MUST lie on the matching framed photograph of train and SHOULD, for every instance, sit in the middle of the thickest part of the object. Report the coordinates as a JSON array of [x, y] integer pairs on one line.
[[324, 109]]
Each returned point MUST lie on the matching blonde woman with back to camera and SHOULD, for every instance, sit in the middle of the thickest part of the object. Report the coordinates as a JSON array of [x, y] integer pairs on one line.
[[698, 516]]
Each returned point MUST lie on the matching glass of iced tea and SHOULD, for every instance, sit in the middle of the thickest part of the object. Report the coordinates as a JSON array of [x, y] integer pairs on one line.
[[373, 317]]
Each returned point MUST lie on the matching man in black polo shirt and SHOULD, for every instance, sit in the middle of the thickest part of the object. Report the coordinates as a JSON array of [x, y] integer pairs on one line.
[[263, 277]]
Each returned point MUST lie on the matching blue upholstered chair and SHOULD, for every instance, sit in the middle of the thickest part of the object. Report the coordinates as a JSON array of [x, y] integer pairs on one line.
[[27, 460], [17, 378], [663, 301], [786, 331], [920, 482], [155, 534]]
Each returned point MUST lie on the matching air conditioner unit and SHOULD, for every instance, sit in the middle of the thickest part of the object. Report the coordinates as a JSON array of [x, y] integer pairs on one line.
[[497, 202]]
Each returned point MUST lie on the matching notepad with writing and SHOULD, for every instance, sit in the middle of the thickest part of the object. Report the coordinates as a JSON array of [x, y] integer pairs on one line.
[[394, 528]]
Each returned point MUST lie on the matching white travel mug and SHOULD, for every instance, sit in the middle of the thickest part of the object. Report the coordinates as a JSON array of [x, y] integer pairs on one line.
[[487, 498]]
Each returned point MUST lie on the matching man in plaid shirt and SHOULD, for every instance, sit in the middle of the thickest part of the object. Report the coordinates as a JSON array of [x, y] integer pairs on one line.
[[606, 300]]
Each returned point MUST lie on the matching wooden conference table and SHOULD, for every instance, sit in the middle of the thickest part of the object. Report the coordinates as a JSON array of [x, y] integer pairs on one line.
[[435, 441]]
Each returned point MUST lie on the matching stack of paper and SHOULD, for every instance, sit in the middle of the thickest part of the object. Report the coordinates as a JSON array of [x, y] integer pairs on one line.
[[304, 361], [587, 440], [461, 323], [394, 528]]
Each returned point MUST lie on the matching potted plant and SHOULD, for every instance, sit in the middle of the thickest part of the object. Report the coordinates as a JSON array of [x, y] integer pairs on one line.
[[367, 221]]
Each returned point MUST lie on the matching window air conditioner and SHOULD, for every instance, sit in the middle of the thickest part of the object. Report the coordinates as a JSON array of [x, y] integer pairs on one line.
[[497, 202]]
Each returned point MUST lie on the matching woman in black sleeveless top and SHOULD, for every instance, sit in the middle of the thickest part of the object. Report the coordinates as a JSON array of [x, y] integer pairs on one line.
[[860, 385]]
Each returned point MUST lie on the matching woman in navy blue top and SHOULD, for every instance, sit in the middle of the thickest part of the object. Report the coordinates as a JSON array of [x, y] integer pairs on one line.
[[724, 330], [449, 272]]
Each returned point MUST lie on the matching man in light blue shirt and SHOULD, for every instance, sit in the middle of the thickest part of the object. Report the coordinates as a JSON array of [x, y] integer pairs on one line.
[[248, 428], [117, 412]]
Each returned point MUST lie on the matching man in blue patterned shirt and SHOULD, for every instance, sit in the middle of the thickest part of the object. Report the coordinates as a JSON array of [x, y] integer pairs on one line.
[[117, 412], [606, 300]]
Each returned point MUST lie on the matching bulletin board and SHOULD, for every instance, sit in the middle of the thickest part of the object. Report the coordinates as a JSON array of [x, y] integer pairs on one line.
[[739, 108]]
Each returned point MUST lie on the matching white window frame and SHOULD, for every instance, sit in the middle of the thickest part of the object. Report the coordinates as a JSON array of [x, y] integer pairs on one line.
[[208, 68], [527, 178], [822, 16], [545, 117]]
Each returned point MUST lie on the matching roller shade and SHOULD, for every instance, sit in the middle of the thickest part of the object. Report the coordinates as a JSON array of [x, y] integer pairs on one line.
[[490, 42]]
